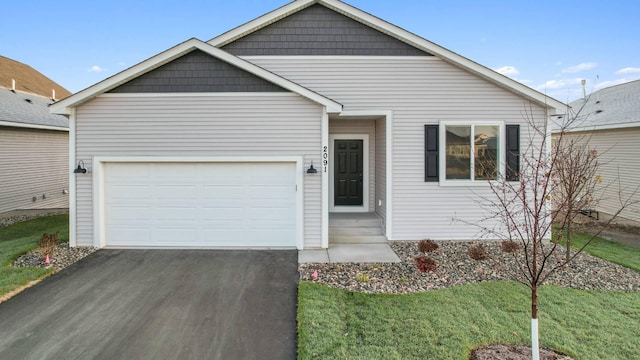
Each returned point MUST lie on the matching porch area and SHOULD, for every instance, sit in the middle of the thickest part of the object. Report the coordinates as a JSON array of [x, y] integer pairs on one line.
[[353, 237]]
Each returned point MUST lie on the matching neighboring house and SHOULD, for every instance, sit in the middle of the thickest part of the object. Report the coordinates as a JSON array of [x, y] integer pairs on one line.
[[34, 144], [609, 121], [213, 143]]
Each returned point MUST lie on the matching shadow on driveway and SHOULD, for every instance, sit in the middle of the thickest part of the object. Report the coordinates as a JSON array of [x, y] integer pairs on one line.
[[158, 304]]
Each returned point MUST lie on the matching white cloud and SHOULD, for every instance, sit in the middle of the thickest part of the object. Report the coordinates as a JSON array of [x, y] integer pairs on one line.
[[558, 63], [605, 84], [508, 70], [558, 84], [580, 67], [96, 68], [628, 70]]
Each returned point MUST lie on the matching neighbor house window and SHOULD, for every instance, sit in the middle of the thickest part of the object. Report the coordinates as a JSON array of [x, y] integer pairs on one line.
[[470, 152]]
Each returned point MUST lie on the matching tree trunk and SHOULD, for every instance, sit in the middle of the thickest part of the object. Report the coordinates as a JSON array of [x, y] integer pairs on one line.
[[568, 254], [535, 347]]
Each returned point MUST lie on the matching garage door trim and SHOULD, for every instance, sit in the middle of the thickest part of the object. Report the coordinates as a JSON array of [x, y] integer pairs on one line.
[[99, 231]]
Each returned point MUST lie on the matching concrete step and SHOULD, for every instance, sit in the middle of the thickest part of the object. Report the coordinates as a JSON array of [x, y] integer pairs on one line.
[[358, 239], [354, 230], [354, 222]]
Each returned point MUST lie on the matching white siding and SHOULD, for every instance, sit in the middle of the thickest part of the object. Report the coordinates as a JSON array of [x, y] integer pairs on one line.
[[361, 127], [419, 90], [200, 125], [33, 163], [618, 152]]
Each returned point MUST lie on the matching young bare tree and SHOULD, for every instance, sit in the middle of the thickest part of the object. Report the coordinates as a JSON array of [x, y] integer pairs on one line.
[[521, 202], [575, 180]]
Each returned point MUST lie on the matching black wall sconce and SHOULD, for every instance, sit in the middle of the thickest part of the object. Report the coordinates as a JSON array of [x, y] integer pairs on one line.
[[80, 169], [311, 169]]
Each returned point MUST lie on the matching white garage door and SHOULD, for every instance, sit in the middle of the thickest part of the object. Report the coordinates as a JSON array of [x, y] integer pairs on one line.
[[200, 204]]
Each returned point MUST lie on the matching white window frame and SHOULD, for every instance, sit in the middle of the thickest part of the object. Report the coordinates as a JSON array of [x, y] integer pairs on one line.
[[442, 152]]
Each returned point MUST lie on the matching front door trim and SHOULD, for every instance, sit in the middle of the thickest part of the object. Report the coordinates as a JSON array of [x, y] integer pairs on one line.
[[365, 173]]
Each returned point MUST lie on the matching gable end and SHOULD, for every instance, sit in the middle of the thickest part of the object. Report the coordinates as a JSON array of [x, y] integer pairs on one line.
[[197, 71], [317, 30]]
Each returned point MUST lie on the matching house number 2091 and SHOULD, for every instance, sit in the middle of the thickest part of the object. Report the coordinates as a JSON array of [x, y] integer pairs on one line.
[[325, 158]]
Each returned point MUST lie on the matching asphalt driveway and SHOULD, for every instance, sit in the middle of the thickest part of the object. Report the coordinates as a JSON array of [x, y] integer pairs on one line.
[[158, 304]]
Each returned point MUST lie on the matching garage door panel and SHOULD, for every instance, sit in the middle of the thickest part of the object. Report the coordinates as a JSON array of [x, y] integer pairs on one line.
[[218, 214], [175, 171], [130, 213], [127, 236], [267, 214], [200, 204], [130, 171], [130, 191], [220, 192], [176, 192], [173, 236], [176, 213]]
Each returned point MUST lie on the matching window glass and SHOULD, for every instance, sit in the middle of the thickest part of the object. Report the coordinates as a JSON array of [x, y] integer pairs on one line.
[[485, 143], [458, 152]]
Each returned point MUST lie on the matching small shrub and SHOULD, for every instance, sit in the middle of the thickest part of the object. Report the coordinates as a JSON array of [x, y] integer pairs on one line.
[[509, 246], [425, 263], [477, 252], [47, 244], [426, 246], [363, 278]]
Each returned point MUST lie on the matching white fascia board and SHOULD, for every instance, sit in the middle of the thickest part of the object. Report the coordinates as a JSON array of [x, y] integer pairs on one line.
[[556, 106], [598, 128], [64, 106], [32, 126]]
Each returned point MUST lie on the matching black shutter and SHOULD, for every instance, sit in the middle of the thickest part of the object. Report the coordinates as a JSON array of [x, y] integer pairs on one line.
[[513, 153], [431, 153]]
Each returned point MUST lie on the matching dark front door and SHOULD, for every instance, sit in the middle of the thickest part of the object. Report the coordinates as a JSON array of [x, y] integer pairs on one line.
[[348, 172]]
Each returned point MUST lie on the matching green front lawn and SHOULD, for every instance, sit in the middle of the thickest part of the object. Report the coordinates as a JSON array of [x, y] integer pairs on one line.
[[19, 238], [449, 323], [625, 255]]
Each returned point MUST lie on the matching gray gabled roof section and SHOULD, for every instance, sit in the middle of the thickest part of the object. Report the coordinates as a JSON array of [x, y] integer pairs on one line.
[[615, 107], [18, 109]]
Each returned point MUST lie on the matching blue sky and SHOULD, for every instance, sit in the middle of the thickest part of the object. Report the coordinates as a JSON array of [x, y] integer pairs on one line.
[[547, 45]]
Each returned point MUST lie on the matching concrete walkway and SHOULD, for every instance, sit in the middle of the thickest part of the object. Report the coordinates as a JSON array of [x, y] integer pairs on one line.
[[340, 253], [158, 304]]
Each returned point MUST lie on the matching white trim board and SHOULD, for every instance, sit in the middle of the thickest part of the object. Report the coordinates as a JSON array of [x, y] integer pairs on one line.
[[365, 173], [99, 239], [32, 126], [73, 212]]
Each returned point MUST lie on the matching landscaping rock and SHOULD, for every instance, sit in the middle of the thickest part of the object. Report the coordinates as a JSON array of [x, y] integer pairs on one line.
[[63, 256], [455, 267]]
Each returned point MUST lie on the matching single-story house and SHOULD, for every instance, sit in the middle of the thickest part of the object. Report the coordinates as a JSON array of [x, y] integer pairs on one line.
[[267, 134], [34, 143], [608, 121]]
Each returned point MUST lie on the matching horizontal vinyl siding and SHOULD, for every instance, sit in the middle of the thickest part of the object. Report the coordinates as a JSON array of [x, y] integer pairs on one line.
[[419, 91], [361, 127], [279, 124], [619, 169], [33, 163]]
